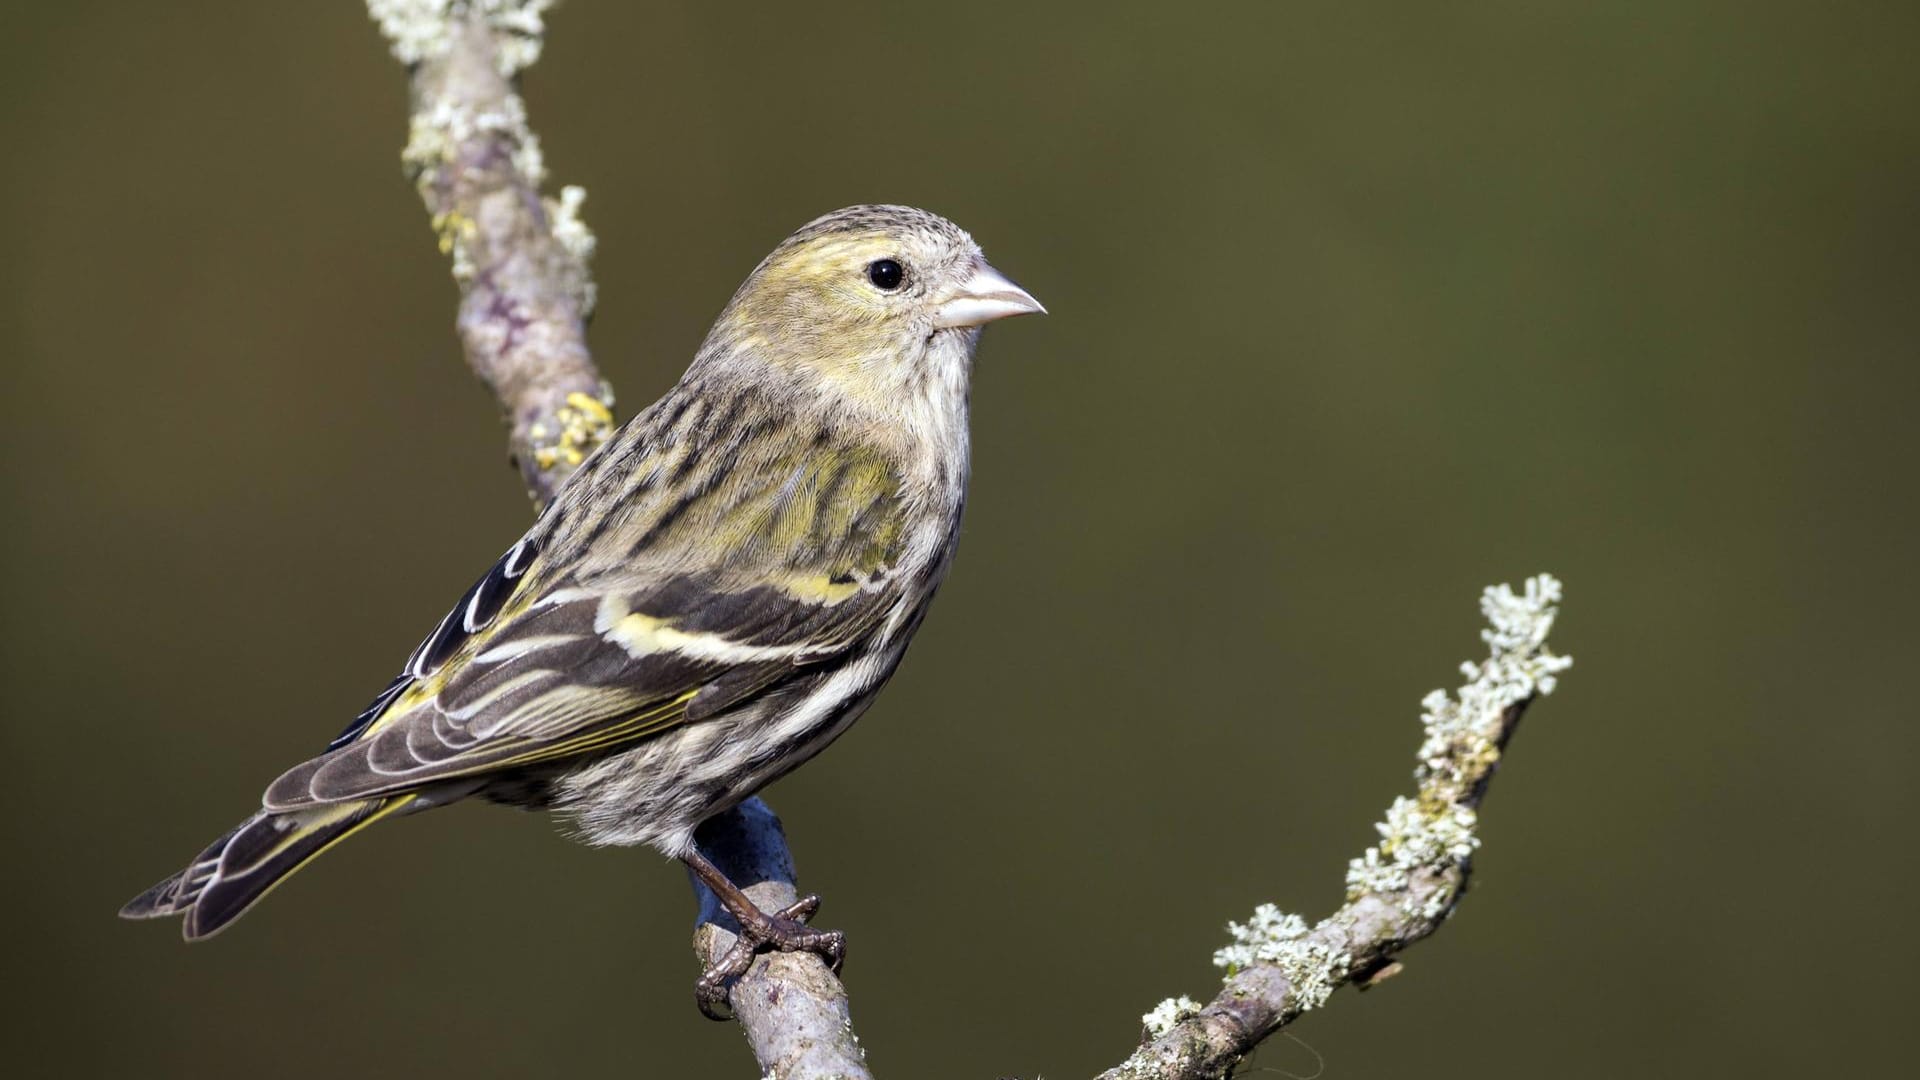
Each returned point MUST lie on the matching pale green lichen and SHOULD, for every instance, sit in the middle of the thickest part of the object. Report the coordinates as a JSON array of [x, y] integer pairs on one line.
[[1168, 1013], [1413, 835], [436, 133], [1258, 937], [1435, 829], [434, 138], [1315, 970], [419, 30], [1462, 731], [423, 29], [1312, 968], [1462, 743], [444, 129], [572, 234]]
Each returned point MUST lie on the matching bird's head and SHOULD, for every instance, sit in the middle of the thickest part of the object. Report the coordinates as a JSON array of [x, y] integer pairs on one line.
[[870, 302]]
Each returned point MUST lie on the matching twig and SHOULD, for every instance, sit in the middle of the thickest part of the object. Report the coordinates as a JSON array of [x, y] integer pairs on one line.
[[1398, 891], [520, 261], [792, 1008]]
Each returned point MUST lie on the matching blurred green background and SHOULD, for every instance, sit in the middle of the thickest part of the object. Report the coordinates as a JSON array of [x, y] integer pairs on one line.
[[1354, 312]]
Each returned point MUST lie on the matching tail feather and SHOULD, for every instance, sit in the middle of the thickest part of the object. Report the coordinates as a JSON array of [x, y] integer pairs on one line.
[[176, 894], [235, 871]]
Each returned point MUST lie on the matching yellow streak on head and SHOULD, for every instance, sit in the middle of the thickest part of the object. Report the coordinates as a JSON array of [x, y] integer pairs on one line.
[[809, 308]]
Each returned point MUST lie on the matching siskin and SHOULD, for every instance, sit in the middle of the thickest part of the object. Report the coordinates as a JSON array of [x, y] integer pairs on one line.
[[709, 601]]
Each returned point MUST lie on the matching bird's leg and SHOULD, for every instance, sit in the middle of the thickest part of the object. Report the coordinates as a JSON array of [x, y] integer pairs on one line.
[[785, 930]]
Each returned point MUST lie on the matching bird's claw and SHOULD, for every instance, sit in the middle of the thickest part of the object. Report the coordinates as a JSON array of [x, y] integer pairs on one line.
[[785, 930]]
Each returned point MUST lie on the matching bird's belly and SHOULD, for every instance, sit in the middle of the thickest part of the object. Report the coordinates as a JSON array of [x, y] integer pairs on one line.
[[657, 792]]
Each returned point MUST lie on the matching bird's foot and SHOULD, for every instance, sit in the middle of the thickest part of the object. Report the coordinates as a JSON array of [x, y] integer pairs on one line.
[[785, 930]]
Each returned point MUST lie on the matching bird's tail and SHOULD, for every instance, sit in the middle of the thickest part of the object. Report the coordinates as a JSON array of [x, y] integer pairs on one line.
[[235, 871]]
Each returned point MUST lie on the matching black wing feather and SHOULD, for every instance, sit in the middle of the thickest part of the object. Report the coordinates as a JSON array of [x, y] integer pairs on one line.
[[478, 607]]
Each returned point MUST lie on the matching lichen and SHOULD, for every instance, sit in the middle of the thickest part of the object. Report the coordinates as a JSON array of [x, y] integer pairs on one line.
[[585, 422], [1462, 744], [1256, 938], [1462, 732], [1433, 830], [444, 131], [435, 135], [573, 236], [1168, 1013], [1416, 833], [419, 30], [1312, 968]]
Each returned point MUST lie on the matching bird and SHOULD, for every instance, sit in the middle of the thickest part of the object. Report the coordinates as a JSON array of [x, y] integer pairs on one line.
[[709, 600]]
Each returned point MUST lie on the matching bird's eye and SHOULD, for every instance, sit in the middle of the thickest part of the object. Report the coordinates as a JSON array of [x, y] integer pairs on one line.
[[885, 274]]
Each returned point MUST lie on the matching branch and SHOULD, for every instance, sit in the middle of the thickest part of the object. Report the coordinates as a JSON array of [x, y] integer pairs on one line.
[[1398, 891], [791, 1007], [520, 261]]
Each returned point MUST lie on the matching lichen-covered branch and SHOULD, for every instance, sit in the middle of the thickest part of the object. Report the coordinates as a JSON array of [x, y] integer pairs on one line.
[[1398, 891], [520, 260]]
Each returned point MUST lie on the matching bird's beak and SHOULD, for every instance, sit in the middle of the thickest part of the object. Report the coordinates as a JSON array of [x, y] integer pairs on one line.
[[985, 296]]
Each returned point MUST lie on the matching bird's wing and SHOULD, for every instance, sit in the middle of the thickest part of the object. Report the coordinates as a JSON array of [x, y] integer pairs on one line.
[[538, 663]]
